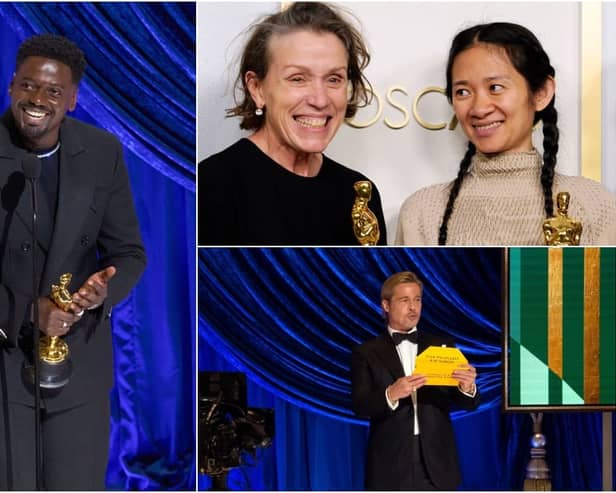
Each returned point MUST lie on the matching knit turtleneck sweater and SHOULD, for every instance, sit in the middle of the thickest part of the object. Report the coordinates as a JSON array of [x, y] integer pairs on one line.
[[501, 203]]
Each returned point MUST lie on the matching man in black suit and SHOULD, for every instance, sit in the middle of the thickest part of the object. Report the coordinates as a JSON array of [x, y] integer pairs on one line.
[[86, 226], [411, 445]]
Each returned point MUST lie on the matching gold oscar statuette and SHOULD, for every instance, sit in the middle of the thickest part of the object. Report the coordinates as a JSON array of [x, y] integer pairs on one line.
[[365, 223], [561, 229], [53, 351]]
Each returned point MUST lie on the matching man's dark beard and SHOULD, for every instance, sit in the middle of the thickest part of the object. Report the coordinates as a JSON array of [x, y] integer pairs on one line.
[[31, 133]]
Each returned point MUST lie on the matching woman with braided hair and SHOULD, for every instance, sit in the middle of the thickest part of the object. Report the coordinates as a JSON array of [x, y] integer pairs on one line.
[[501, 83]]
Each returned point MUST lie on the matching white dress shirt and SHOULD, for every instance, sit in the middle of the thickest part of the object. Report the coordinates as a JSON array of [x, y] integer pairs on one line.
[[407, 352]]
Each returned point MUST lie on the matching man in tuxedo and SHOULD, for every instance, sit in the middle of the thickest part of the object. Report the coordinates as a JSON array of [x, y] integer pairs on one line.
[[411, 444], [86, 226]]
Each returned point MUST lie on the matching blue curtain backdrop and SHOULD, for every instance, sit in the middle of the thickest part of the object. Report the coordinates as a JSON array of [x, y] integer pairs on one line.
[[289, 318], [140, 85]]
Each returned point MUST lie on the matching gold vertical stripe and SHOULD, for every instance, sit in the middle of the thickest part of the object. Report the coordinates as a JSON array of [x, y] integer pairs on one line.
[[591, 71], [555, 310], [591, 325]]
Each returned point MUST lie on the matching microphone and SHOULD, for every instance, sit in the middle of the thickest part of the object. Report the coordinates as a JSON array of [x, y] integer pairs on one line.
[[31, 166]]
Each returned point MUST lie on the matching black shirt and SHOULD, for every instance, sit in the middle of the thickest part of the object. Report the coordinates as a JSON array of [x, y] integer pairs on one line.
[[246, 198]]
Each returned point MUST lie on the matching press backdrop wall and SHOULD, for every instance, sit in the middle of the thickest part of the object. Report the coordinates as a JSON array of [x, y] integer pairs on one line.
[[409, 42]]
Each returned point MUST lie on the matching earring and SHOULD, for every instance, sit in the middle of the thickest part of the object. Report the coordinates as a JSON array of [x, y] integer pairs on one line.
[[259, 112]]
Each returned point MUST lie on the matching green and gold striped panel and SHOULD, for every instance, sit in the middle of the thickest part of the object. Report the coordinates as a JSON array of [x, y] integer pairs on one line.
[[562, 326]]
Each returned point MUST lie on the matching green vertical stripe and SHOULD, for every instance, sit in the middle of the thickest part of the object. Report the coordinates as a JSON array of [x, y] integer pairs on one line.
[[556, 389], [514, 295], [573, 319], [514, 373], [534, 299], [607, 327], [514, 327]]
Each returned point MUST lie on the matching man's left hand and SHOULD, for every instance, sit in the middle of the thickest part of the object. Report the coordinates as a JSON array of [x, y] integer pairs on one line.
[[465, 375], [93, 292]]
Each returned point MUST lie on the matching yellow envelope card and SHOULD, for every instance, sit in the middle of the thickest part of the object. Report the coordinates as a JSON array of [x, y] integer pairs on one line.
[[438, 363]]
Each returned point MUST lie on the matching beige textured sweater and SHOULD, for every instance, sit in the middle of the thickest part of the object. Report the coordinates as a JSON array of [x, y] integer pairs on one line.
[[501, 203]]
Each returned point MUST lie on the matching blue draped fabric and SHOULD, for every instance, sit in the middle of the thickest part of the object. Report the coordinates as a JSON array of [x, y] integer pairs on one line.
[[140, 81], [140, 85], [289, 318]]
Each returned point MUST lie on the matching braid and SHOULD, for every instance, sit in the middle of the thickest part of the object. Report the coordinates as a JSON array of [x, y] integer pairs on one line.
[[550, 148], [532, 62], [455, 189]]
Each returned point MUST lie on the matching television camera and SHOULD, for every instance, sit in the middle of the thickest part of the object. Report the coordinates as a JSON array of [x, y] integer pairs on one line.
[[229, 431]]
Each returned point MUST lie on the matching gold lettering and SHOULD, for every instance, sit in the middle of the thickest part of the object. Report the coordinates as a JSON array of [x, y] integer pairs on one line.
[[419, 119], [356, 124], [453, 123], [402, 109]]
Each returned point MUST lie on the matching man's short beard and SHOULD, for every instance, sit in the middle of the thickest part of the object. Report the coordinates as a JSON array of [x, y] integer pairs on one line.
[[31, 133]]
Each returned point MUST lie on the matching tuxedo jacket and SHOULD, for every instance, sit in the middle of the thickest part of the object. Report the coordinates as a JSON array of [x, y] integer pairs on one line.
[[375, 366], [95, 226]]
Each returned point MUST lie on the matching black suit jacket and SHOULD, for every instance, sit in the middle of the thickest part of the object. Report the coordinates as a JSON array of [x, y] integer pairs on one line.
[[95, 226], [375, 366]]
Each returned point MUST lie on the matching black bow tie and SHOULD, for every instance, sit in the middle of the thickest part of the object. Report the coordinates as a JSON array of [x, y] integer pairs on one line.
[[398, 337]]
